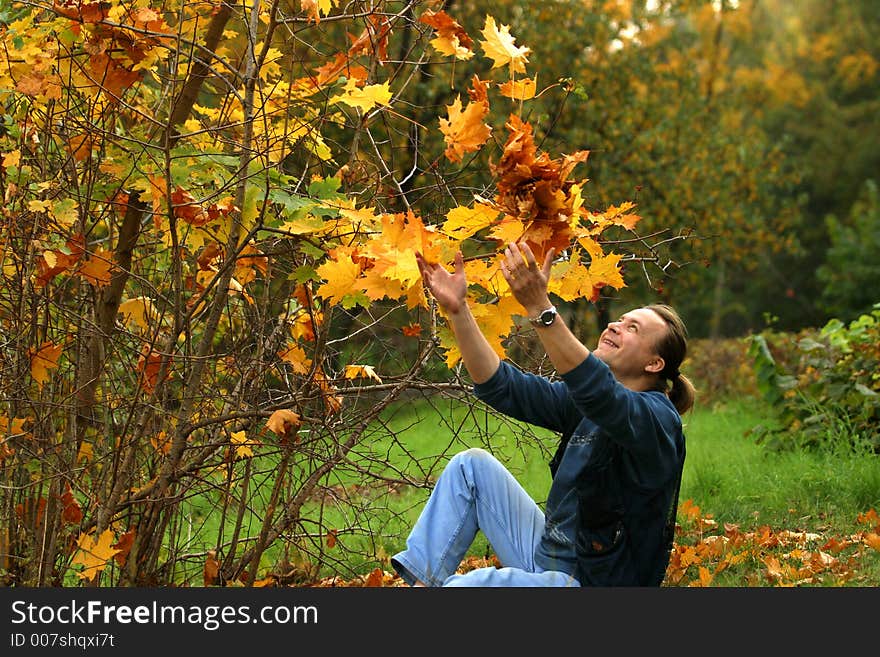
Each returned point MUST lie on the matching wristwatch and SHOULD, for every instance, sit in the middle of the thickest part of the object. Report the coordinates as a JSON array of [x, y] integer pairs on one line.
[[545, 318]]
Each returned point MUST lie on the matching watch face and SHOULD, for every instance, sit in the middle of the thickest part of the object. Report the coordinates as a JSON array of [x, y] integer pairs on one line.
[[547, 317]]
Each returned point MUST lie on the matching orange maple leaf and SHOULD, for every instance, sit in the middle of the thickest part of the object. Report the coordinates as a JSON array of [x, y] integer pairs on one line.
[[44, 359], [98, 268], [124, 545], [283, 421], [71, 511], [520, 89], [464, 131]]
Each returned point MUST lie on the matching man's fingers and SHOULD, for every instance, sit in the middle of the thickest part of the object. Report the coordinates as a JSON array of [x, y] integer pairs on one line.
[[527, 255]]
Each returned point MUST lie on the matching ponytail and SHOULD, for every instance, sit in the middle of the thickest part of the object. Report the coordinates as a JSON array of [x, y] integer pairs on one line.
[[672, 348]]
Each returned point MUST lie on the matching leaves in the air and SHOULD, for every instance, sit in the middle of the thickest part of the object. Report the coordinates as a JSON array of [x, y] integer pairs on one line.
[[500, 46], [465, 130], [451, 38]]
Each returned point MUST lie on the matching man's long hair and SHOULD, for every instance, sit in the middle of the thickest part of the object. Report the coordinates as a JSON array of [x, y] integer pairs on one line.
[[672, 348]]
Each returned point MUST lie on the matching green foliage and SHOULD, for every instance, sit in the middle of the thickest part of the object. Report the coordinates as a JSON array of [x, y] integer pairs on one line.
[[830, 399]]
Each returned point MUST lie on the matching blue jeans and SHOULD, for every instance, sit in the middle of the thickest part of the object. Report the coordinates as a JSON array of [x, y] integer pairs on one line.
[[476, 492]]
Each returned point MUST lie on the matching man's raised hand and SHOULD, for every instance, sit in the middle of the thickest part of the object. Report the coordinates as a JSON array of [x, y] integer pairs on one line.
[[450, 290]]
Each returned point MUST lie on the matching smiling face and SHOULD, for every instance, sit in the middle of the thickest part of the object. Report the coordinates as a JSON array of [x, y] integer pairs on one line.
[[629, 345]]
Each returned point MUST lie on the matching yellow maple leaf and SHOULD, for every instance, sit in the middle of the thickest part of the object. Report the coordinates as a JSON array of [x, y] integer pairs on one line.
[[94, 555], [464, 131], [366, 98], [508, 230], [499, 46], [362, 371], [462, 221], [520, 89], [317, 8], [296, 357], [242, 445], [571, 280], [605, 270], [340, 275], [44, 359], [139, 310], [11, 159]]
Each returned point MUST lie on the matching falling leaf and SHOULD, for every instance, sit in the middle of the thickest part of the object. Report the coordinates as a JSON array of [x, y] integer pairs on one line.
[[463, 221], [451, 39], [366, 98], [499, 46], [44, 359], [464, 131], [520, 89], [376, 578], [362, 371], [148, 366], [93, 555]]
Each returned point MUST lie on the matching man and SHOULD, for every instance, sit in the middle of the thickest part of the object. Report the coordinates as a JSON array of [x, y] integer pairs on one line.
[[610, 509]]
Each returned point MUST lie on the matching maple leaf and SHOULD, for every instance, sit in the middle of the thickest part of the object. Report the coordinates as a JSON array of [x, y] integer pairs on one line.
[[93, 554], [139, 310], [211, 569], [464, 132], [161, 442], [366, 98], [520, 89], [451, 37], [44, 359], [872, 540], [462, 221], [332, 401], [71, 510], [362, 371], [124, 545], [605, 270], [340, 275], [499, 46], [412, 330], [97, 269], [282, 422], [242, 445], [296, 357], [317, 8]]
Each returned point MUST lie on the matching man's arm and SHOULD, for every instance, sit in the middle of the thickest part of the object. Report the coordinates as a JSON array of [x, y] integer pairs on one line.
[[450, 291]]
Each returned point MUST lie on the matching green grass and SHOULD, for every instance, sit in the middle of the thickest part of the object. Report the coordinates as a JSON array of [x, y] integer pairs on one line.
[[729, 476]]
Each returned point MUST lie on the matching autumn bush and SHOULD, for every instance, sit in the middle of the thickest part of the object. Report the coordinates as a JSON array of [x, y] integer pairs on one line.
[[209, 220]]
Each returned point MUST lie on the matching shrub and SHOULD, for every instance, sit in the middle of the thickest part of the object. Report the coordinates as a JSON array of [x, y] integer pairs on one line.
[[829, 394]]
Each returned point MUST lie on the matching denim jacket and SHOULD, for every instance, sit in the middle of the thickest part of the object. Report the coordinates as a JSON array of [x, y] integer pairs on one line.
[[616, 471]]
